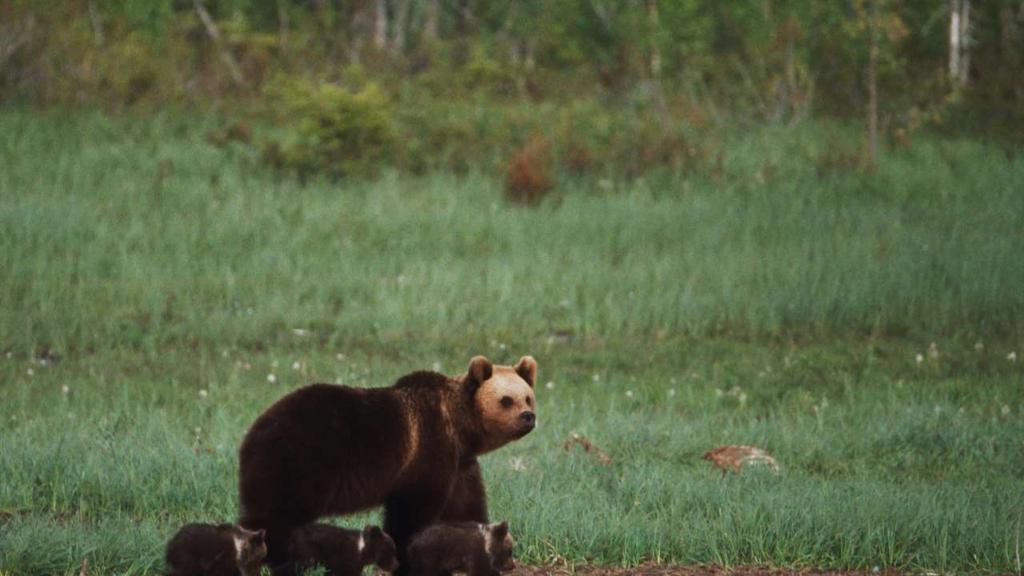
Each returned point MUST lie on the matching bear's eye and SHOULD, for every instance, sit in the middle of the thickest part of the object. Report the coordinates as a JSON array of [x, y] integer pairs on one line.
[[529, 402], [507, 402]]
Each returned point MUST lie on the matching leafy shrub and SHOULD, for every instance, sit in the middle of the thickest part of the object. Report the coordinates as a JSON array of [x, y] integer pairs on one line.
[[340, 132], [529, 171]]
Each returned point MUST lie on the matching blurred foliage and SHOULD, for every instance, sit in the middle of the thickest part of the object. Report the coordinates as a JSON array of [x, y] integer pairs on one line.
[[339, 131], [626, 85]]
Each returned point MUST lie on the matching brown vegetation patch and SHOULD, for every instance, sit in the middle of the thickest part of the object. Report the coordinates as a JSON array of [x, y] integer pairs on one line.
[[529, 171]]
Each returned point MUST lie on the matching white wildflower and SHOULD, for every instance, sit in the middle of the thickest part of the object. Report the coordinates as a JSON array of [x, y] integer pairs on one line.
[[30, 372], [1012, 356], [933, 351], [919, 358], [517, 464], [273, 364], [296, 365], [203, 394], [1005, 410], [550, 385], [271, 378], [436, 366], [629, 393], [671, 392], [300, 332], [979, 346], [596, 377], [743, 397], [223, 353], [339, 356], [65, 390]]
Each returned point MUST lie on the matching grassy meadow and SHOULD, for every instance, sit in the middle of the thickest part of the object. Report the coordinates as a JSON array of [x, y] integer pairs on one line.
[[867, 329]]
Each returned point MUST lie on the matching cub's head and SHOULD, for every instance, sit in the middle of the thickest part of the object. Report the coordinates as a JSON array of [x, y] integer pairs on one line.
[[503, 398], [376, 547], [250, 546], [499, 543]]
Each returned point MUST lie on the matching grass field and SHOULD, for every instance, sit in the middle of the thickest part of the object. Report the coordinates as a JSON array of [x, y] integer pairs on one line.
[[158, 292]]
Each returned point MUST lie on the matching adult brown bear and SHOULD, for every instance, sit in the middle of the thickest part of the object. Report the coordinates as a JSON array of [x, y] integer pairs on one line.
[[334, 450]]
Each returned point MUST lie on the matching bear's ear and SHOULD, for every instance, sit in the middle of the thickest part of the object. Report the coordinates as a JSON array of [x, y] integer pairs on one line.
[[370, 531], [499, 530], [480, 369], [527, 369]]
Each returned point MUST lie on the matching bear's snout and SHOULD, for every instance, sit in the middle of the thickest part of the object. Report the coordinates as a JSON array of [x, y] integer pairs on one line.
[[527, 421]]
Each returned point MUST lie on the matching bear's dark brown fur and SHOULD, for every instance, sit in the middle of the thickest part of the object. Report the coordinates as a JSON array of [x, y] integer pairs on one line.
[[327, 449], [341, 552], [477, 549], [209, 550]]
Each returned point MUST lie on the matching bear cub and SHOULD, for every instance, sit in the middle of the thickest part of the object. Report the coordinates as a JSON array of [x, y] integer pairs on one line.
[[215, 550], [477, 549], [341, 552]]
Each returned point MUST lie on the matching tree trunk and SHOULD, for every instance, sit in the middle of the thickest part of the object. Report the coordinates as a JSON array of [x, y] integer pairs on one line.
[[1009, 34], [430, 23], [652, 21], [959, 43], [224, 51], [398, 28], [954, 41], [873, 87], [965, 42], [95, 18], [283, 23], [380, 24]]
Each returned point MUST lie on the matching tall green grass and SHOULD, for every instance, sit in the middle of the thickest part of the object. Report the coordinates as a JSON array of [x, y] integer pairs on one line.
[[781, 303], [135, 233]]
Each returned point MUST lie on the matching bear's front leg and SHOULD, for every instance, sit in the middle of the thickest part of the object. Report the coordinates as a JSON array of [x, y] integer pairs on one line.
[[407, 513], [468, 499]]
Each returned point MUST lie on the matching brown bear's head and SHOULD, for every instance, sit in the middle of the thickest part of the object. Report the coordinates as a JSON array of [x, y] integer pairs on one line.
[[250, 546], [498, 543], [376, 547], [503, 398]]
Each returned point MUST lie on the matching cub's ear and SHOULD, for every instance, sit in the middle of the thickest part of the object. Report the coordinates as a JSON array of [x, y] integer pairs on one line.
[[480, 369], [499, 530], [371, 531], [527, 369]]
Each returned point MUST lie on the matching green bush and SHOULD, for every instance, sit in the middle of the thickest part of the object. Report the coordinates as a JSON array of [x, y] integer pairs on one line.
[[339, 132]]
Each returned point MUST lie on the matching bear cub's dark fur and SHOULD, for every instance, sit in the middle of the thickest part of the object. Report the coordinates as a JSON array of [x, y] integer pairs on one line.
[[477, 549], [215, 550], [341, 552]]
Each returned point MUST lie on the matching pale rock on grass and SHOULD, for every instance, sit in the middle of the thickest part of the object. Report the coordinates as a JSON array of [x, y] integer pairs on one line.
[[735, 457]]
